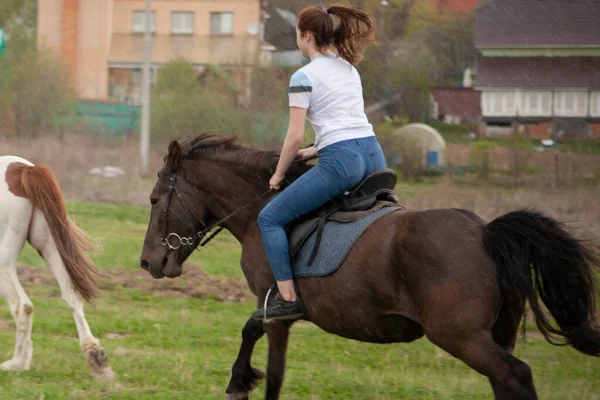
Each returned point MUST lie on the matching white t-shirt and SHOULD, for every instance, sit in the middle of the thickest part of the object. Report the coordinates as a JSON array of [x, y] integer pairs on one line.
[[331, 89]]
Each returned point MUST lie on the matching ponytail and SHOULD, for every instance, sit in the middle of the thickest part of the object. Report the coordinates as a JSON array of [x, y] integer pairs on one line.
[[356, 27]]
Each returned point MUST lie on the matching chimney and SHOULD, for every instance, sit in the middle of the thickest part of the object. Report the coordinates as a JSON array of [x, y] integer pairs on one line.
[[69, 34]]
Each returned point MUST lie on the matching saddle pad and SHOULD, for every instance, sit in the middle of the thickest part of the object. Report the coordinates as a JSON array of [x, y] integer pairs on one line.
[[300, 232], [338, 238]]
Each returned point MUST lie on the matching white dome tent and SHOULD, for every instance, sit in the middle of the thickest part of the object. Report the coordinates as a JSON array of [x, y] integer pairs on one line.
[[422, 137]]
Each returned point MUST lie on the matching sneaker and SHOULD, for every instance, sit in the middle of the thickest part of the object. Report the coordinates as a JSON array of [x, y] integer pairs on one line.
[[281, 310]]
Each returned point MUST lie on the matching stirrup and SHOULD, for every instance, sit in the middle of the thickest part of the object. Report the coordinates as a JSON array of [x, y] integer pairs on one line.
[[267, 320]]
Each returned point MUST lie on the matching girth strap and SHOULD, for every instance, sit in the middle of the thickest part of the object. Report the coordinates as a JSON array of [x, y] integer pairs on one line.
[[320, 228]]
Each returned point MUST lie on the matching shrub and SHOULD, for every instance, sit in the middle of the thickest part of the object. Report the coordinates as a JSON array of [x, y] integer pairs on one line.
[[480, 158], [35, 95]]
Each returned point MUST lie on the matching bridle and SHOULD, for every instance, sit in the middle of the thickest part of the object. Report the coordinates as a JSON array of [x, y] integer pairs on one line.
[[167, 238], [175, 241]]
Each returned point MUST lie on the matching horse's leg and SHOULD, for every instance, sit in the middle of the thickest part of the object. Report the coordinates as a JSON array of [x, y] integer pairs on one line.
[[278, 334], [244, 378], [21, 309], [505, 332], [15, 217], [511, 377], [17, 214], [41, 239]]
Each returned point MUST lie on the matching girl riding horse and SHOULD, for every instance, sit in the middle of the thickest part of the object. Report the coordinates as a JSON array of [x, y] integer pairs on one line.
[[328, 92]]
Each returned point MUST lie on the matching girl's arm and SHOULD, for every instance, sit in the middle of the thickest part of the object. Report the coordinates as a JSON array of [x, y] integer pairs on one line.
[[291, 145]]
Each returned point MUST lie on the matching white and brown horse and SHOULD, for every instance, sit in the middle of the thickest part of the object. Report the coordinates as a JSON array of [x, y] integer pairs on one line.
[[32, 209]]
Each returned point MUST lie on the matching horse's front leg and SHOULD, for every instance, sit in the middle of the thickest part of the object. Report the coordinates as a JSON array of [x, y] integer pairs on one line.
[[244, 378], [22, 311], [278, 334]]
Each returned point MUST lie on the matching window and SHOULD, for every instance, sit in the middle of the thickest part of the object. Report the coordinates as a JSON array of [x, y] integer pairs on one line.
[[499, 103], [182, 22], [509, 102], [546, 104], [571, 104], [137, 74], [595, 106], [535, 104], [221, 23], [139, 22]]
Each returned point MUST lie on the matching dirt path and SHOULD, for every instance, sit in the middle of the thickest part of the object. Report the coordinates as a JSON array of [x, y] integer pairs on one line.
[[194, 282]]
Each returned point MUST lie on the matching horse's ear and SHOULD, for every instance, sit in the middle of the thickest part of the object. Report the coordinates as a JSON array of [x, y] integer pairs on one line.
[[174, 156]]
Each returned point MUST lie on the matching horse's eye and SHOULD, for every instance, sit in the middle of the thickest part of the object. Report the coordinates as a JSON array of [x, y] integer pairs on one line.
[[153, 201]]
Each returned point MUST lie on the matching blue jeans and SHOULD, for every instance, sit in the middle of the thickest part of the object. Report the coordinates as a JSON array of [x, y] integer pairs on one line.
[[341, 167]]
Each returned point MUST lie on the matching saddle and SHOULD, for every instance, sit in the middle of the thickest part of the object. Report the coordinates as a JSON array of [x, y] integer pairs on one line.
[[372, 194]]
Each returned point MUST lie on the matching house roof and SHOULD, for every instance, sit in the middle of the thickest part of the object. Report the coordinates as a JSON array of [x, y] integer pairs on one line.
[[280, 29], [459, 101], [199, 50], [538, 23], [538, 72]]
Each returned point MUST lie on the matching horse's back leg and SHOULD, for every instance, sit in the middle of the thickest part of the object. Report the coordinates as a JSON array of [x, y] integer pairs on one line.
[[41, 239], [505, 332], [485, 349], [244, 378], [12, 241]]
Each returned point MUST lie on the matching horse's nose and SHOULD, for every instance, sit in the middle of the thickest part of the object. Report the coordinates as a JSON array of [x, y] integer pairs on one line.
[[144, 264]]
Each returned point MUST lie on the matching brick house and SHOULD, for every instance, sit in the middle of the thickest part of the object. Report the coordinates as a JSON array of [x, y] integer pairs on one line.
[[539, 67], [456, 105], [101, 41]]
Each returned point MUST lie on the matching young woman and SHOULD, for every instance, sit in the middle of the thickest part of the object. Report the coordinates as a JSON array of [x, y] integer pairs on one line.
[[328, 92]]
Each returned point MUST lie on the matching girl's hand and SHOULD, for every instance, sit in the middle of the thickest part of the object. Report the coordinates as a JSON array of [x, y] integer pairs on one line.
[[308, 152], [275, 181]]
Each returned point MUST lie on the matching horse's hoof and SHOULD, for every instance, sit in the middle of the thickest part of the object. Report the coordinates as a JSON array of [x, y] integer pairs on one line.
[[244, 388], [237, 396], [259, 374], [14, 365], [106, 375]]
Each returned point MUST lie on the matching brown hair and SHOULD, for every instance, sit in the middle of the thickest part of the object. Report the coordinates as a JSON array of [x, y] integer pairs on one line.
[[356, 27]]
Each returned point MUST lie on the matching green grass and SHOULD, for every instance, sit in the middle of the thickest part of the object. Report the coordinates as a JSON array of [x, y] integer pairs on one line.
[[587, 147], [121, 231], [183, 348]]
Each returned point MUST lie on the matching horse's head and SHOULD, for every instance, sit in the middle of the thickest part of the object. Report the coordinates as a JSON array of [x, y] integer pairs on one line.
[[210, 181], [175, 221]]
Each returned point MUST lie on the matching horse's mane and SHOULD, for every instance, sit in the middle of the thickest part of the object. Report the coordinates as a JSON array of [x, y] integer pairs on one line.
[[227, 149]]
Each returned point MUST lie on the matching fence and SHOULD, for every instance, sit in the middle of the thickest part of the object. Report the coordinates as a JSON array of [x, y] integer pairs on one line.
[[110, 119]]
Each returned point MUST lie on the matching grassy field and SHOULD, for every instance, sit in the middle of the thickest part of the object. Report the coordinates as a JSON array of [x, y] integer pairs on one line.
[[167, 341]]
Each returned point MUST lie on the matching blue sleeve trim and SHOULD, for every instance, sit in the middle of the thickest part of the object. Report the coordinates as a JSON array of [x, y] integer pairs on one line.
[[300, 83]]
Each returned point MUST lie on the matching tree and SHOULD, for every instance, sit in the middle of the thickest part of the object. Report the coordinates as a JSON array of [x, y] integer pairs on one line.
[[35, 93], [18, 13], [182, 107], [413, 87], [177, 77], [178, 104], [450, 40]]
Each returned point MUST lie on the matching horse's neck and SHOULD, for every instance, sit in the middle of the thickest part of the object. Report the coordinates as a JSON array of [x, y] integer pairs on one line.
[[224, 202]]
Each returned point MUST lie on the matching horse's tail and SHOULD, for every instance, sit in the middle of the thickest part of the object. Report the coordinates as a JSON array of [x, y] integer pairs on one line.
[[41, 188], [536, 256]]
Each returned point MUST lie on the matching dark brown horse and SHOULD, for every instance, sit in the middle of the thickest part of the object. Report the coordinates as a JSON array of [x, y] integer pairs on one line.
[[443, 273]]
